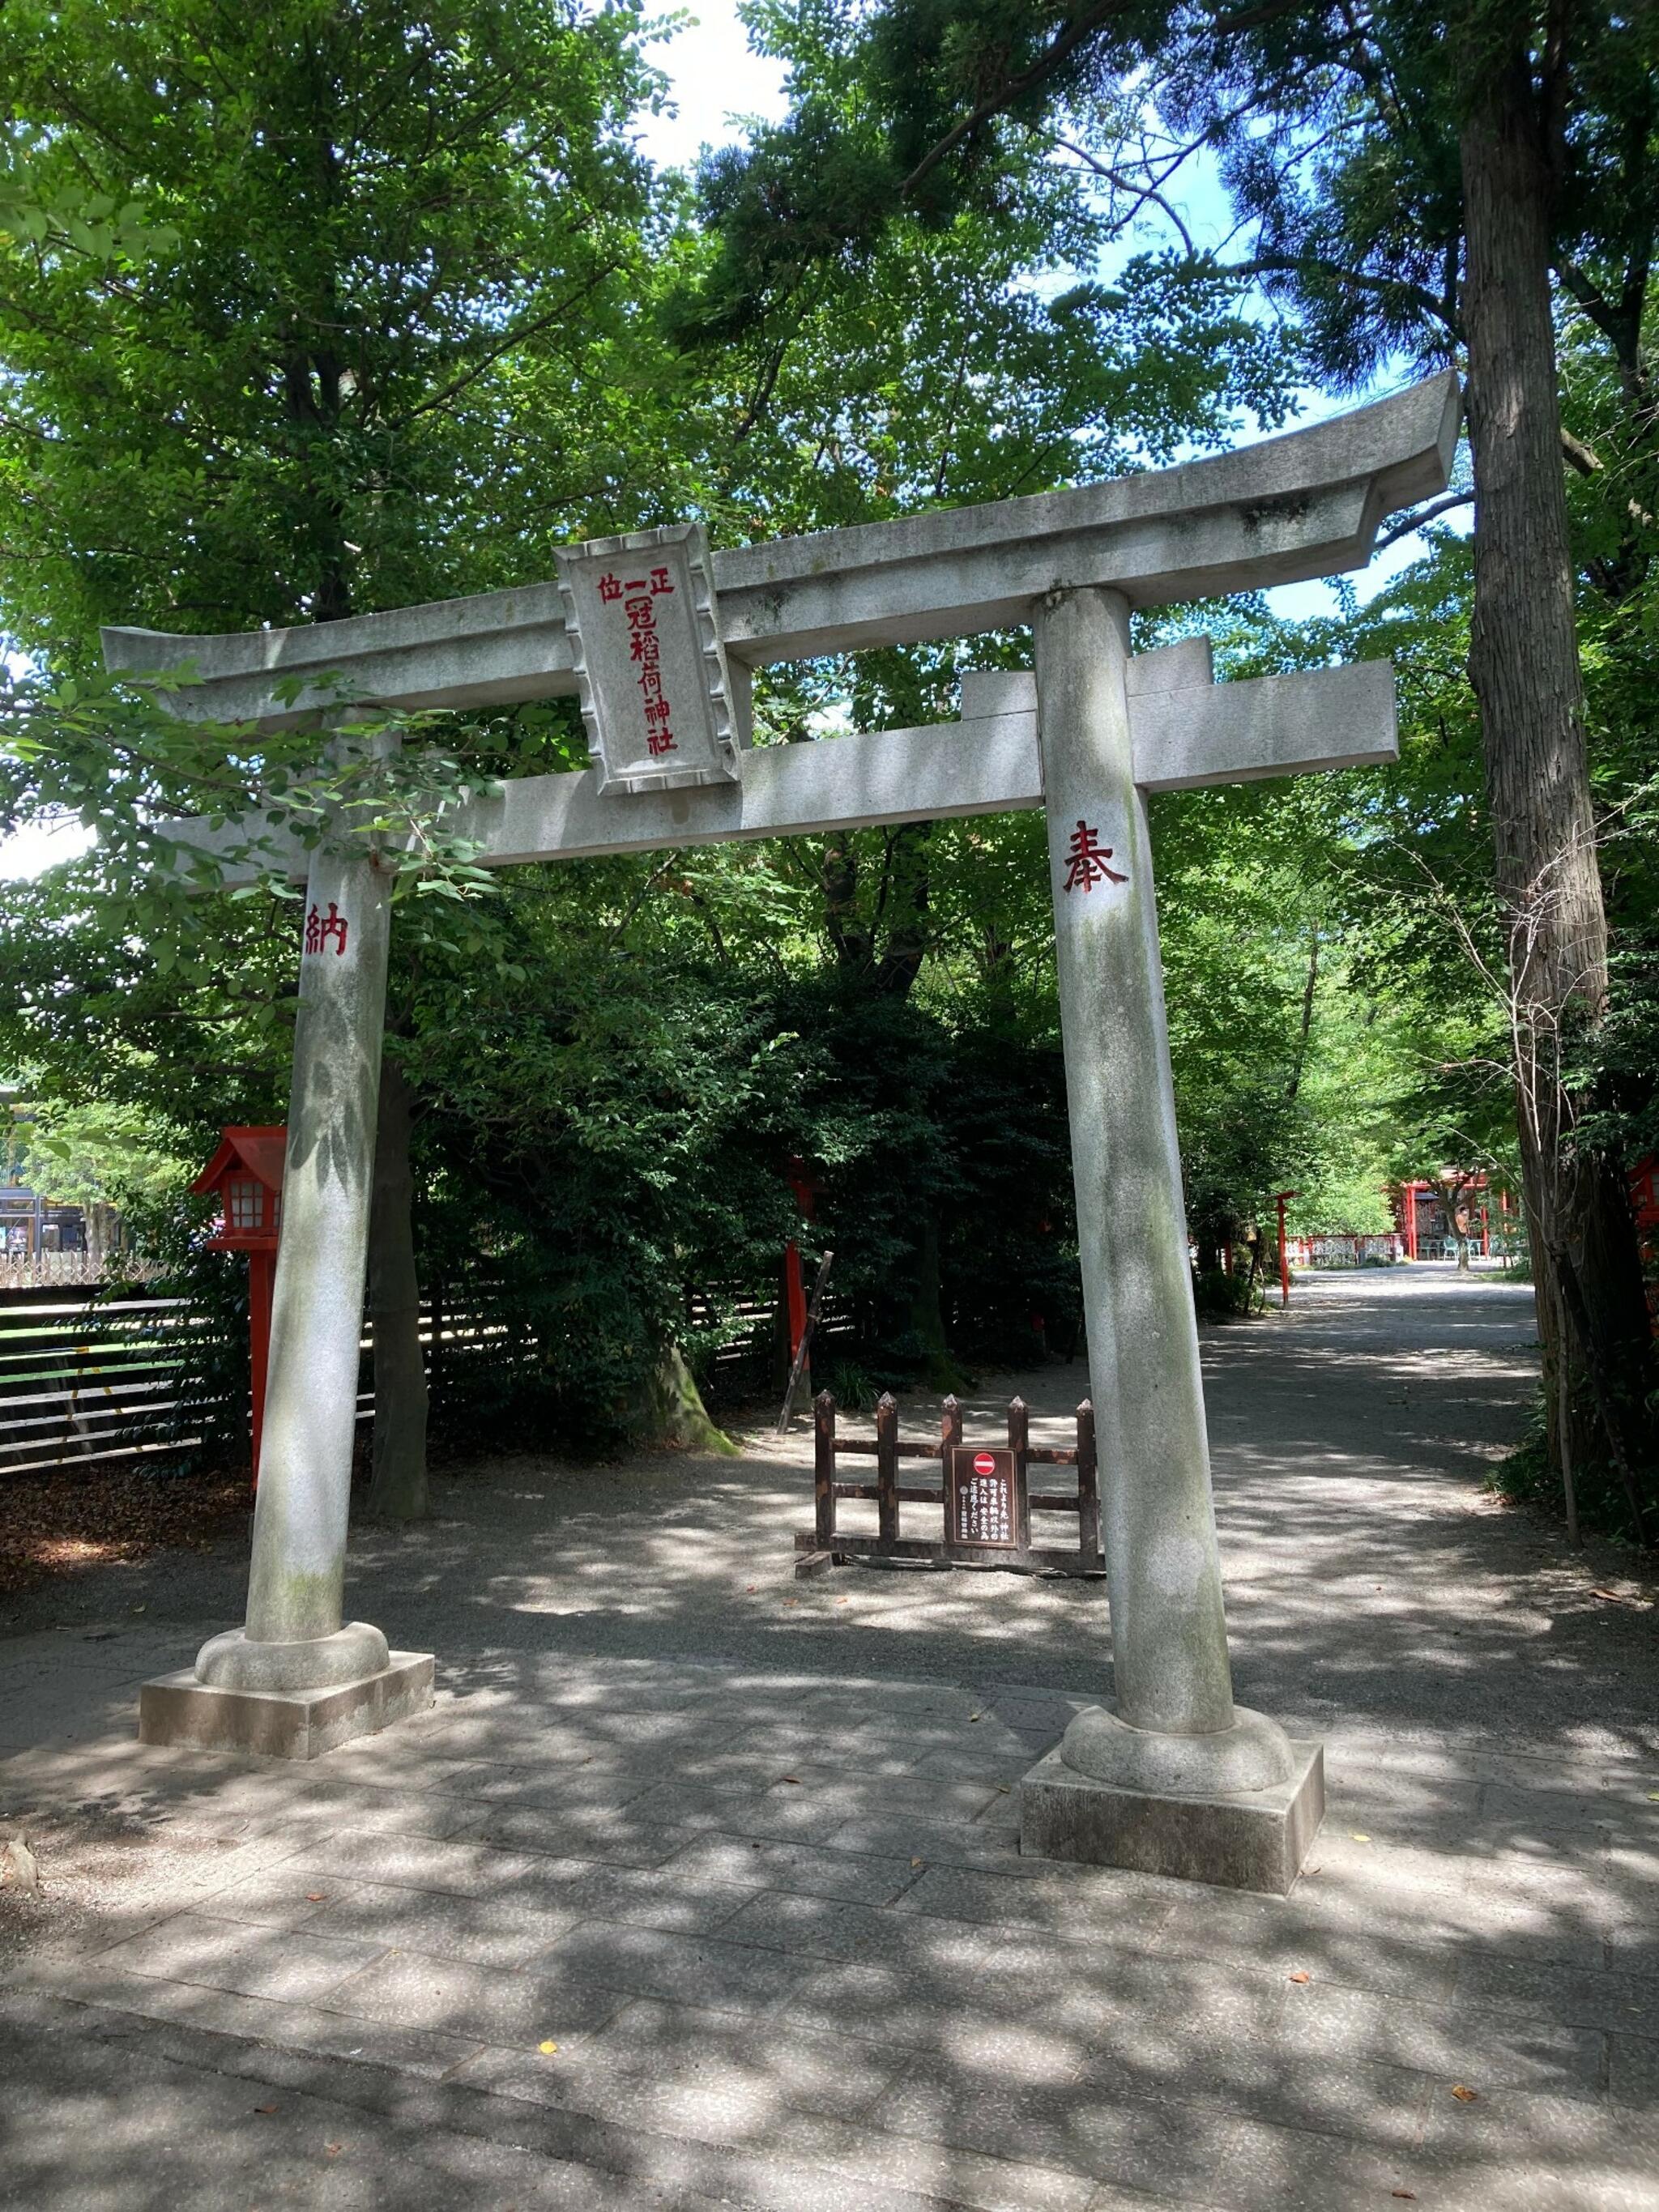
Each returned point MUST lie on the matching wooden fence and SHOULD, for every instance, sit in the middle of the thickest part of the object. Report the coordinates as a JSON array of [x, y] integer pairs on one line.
[[85, 1377]]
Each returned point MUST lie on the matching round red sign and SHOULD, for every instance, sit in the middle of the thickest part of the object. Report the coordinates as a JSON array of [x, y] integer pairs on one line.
[[984, 1463]]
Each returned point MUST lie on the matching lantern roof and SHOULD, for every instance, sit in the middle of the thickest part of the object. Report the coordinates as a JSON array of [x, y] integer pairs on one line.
[[258, 1152]]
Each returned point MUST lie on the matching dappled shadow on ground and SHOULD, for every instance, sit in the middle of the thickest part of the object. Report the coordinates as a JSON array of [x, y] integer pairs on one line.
[[744, 1851]]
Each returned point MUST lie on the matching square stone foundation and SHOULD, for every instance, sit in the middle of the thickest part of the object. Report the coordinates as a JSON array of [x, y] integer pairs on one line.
[[1250, 1839], [282, 1723]]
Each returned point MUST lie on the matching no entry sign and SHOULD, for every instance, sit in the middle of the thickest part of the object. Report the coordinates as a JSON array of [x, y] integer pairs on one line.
[[981, 1509]]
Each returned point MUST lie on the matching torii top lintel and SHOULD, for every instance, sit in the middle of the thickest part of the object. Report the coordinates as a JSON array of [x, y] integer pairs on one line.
[[1280, 511]]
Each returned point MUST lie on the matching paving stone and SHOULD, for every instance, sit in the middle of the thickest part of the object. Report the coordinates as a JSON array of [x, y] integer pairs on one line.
[[1042, 1896], [279, 1896], [811, 1872], [1064, 2124], [1271, 1935], [827, 1928], [228, 1954], [640, 1896], [489, 2004], [468, 1869], [912, 2006], [1633, 2071], [1543, 2151], [279, 2025], [973, 1844], [1628, 2002], [939, 2170], [721, 1976], [740, 2061], [1266, 2169], [609, 1834], [1156, 2059], [1459, 2042], [502, 1928], [786, 1815]]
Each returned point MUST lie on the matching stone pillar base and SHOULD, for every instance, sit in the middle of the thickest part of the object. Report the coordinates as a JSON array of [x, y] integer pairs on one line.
[[282, 1723], [1237, 1839]]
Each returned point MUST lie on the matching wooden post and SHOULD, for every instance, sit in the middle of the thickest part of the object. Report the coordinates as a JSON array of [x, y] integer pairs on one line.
[[887, 1467], [823, 1468], [1088, 1486], [950, 1437], [1019, 1437]]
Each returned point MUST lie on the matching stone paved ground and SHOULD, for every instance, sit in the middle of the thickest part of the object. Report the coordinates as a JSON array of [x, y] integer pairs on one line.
[[744, 1851]]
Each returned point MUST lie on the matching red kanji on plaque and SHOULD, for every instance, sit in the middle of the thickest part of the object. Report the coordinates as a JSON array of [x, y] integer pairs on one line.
[[610, 585], [319, 928], [1086, 861]]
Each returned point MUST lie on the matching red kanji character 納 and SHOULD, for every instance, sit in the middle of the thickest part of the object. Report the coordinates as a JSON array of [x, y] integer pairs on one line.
[[319, 928], [1086, 861]]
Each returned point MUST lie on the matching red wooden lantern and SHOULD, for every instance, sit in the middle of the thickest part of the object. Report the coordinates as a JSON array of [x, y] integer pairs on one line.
[[246, 1176]]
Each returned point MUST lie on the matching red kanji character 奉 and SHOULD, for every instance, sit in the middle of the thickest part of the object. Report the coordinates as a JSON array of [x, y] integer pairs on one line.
[[661, 581], [319, 928], [1086, 861], [610, 587]]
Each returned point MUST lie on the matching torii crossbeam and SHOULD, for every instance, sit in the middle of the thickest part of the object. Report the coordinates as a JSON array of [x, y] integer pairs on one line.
[[1172, 1776]]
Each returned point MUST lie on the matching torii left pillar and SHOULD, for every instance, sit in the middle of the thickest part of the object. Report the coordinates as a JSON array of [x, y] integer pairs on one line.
[[298, 1679]]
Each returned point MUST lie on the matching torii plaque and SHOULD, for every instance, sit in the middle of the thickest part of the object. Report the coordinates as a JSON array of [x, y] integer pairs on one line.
[[1172, 1776]]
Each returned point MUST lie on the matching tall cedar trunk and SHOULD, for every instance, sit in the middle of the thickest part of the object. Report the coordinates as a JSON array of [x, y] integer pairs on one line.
[[398, 1486], [1523, 662]]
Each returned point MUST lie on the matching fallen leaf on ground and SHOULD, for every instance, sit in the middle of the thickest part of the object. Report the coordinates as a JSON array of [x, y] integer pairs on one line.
[[750, 1589], [316, 1897], [264, 2108], [1360, 1837], [792, 1778], [1300, 1975], [1464, 2095], [548, 2048], [332, 2150], [1410, 2195], [1610, 1597]]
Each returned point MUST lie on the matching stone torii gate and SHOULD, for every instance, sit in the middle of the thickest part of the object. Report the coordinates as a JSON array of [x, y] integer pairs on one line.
[[1172, 1776]]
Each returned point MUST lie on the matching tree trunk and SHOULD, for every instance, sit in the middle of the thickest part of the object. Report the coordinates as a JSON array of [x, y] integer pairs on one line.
[[1523, 663], [398, 1485], [676, 1412]]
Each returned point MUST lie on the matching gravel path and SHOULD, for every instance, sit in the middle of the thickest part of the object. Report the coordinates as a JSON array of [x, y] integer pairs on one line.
[[720, 1822]]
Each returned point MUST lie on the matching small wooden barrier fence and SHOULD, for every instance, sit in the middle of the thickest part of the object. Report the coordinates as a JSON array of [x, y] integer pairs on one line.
[[983, 1495]]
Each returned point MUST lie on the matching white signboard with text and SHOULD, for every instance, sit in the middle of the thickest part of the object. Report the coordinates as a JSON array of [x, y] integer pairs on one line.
[[650, 669]]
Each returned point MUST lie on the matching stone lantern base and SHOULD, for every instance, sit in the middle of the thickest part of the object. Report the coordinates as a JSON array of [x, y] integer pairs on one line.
[[181, 1709]]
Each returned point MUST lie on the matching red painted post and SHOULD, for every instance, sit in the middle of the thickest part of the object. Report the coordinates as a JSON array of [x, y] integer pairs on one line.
[[261, 1277], [1284, 1255], [794, 1291]]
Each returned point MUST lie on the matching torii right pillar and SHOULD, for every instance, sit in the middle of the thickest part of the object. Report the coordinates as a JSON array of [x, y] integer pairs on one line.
[[1174, 1778]]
